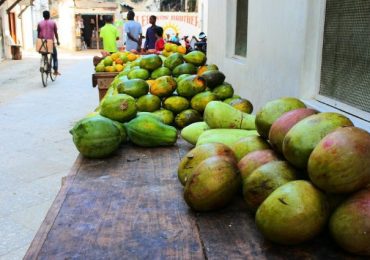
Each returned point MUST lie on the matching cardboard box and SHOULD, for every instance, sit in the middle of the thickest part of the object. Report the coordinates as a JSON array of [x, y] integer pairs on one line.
[[44, 46]]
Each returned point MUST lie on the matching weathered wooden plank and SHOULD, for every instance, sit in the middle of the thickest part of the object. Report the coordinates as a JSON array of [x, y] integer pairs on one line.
[[130, 206], [44, 229], [127, 206]]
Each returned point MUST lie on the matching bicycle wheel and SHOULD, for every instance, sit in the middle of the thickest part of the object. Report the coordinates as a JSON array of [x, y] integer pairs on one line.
[[52, 75], [44, 69]]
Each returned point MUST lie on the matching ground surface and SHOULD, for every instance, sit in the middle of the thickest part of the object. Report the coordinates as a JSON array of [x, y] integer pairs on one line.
[[36, 149]]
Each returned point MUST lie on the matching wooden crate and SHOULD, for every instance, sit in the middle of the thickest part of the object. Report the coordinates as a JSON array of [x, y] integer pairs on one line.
[[103, 81]]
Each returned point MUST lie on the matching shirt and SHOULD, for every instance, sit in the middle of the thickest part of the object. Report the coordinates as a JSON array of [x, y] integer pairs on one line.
[[134, 28], [46, 29], [159, 44], [109, 33], [150, 38]]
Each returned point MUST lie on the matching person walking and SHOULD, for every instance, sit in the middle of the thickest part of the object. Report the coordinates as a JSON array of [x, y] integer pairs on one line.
[[47, 30], [150, 37], [110, 35], [133, 33]]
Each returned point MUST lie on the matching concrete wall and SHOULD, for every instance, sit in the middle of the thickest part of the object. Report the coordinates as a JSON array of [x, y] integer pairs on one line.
[[27, 29], [283, 47], [66, 25]]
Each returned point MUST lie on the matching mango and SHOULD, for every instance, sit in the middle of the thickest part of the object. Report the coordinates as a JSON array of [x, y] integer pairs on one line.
[[226, 136], [198, 154], [148, 103], [307, 133], [264, 180], [272, 110], [150, 62], [187, 117], [255, 159], [284, 123], [218, 114], [213, 184], [148, 131], [120, 107], [340, 162], [249, 144], [190, 86], [165, 115], [161, 71], [197, 58], [223, 91], [350, 223], [185, 68], [213, 78], [176, 104], [205, 68], [192, 132], [133, 87], [200, 100], [293, 213], [242, 104], [173, 61]]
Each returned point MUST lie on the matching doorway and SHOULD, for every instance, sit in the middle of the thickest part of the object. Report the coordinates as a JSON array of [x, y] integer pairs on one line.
[[12, 27], [90, 26]]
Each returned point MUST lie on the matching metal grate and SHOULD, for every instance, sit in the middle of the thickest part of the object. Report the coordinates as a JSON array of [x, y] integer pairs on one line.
[[345, 71]]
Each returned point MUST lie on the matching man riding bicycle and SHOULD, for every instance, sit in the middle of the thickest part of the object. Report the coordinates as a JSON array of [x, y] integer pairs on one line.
[[47, 30]]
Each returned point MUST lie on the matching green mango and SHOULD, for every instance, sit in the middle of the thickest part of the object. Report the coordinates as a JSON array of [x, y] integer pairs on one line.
[[218, 114]]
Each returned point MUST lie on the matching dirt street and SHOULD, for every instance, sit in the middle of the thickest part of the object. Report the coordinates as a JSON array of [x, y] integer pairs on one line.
[[36, 149]]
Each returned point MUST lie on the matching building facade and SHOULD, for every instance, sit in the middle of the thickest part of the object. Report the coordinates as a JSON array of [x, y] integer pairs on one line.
[[269, 49]]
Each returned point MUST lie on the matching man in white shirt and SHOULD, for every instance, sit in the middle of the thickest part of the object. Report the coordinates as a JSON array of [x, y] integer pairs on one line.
[[133, 33]]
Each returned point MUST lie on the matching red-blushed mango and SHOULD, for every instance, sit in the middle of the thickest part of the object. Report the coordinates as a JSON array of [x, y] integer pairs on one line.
[[198, 154], [307, 133], [249, 144], [340, 163], [272, 110], [284, 123], [213, 184], [255, 159], [350, 223]]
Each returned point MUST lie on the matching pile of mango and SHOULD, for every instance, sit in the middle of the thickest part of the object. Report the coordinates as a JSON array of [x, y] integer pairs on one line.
[[301, 172], [170, 48], [115, 62], [150, 99]]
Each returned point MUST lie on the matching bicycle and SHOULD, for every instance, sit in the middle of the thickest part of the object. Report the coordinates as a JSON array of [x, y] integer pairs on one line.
[[45, 63]]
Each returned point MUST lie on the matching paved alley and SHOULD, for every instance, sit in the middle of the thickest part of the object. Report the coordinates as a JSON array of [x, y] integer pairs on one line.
[[36, 149]]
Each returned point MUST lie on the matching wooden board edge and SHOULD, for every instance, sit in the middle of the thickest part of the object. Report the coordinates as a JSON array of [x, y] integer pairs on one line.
[[40, 237]]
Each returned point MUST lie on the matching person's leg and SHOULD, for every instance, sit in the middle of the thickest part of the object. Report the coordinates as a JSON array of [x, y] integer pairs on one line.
[[55, 61]]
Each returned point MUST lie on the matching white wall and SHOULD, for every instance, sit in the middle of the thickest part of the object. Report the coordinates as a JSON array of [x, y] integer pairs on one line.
[[66, 25], [27, 31], [282, 48]]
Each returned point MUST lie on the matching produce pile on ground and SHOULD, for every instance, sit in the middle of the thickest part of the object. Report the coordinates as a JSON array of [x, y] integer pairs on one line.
[[298, 170]]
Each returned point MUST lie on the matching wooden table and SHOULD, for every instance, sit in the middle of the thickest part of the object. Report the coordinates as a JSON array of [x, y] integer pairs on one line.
[[130, 206]]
